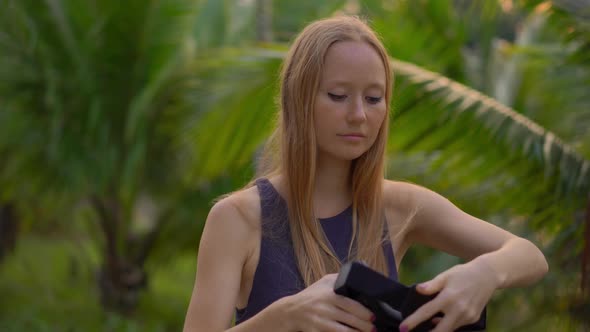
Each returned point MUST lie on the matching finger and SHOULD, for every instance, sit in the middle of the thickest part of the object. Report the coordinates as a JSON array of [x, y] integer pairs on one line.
[[352, 321], [446, 324], [331, 319], [433, 286], [327, 281], [346, 321], [353, 307], [334, 326], [423, 313], [330, 278]]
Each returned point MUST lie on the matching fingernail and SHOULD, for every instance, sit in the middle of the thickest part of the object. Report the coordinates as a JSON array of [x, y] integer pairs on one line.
[[374, 329], [403, 328]]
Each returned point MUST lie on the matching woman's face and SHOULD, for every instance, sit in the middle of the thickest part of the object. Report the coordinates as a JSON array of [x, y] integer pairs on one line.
[[350, 103]]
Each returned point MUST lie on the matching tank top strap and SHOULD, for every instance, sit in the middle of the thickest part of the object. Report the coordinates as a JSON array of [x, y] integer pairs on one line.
[[273, 212]]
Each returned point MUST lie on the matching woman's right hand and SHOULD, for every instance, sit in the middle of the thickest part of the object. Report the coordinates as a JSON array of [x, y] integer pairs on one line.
[[317, 308]]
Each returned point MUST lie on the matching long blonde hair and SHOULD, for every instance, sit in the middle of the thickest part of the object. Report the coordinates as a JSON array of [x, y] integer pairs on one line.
[[291, 151]]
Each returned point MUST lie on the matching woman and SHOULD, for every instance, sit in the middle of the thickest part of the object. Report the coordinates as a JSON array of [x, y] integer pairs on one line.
[[271, 250]]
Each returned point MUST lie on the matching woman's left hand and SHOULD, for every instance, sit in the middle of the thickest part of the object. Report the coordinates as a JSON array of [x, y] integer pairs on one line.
[[464, 290]]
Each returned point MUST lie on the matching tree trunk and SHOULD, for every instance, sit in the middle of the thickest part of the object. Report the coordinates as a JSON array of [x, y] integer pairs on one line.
[[120, 277], [8, 229], [586, 255], [120, 287], [264, 21]]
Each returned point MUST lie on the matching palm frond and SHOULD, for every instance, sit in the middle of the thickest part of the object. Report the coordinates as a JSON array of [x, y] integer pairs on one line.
[[505, 124], [239, 113]]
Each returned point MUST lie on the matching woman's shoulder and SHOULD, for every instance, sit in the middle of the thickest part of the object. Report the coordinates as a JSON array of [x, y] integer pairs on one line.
[[242, 206], [401, 195], [407, 195], [401, 202], [414, 201]]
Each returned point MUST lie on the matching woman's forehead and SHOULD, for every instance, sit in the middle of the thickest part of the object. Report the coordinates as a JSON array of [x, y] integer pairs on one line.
[[353, 63]]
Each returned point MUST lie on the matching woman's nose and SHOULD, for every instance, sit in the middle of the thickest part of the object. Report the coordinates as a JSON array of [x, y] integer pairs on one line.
[[356, 112]]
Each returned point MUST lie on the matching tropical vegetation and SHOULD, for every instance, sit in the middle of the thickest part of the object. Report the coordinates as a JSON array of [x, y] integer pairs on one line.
[[120, 122]]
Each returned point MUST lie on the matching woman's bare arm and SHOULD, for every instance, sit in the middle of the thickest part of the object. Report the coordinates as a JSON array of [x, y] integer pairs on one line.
[[496, 259], [438, 223], [223, 250]]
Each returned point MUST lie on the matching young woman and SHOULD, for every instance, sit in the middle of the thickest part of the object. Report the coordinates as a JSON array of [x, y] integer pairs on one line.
[[270, 253]]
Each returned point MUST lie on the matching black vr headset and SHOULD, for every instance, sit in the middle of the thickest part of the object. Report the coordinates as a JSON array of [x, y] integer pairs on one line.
[[390, 301]]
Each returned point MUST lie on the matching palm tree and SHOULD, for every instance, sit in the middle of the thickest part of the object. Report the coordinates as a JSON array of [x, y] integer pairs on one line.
[[109, 107], [89, 91]]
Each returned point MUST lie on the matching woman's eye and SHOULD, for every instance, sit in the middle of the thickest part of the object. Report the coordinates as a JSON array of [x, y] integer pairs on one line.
[[336, 97], [373, 100]]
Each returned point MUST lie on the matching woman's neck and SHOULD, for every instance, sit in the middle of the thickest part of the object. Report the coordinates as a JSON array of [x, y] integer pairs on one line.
[[332, 192]]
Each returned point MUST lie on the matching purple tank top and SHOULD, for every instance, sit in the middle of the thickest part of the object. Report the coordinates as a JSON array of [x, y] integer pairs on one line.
[[276, 275]]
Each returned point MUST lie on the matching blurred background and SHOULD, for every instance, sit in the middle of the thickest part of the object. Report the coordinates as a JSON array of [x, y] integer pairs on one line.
[[121, 121]]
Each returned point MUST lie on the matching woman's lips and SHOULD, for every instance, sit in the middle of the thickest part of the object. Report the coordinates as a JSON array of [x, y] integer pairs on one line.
[[352, 137]]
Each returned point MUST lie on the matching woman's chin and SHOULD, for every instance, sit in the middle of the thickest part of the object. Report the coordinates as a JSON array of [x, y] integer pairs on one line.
[[347, 156]]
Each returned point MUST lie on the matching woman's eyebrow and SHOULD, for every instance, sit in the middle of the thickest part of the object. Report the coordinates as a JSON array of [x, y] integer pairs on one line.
[[346, 83], [380, 86]]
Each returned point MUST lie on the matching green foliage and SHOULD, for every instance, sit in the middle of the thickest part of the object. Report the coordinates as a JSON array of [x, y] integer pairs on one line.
[[86, 87], [50, 286], [167, 102], [289, 17]]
